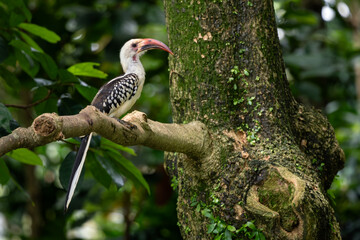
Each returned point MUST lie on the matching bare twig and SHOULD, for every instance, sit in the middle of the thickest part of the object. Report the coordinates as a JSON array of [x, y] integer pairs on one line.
[[31, 104]]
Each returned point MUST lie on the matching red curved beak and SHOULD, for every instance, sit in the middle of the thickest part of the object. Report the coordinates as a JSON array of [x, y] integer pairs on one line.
[[149, 43]]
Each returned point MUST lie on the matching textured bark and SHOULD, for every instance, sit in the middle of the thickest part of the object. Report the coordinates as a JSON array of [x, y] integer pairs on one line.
[[272, 158]]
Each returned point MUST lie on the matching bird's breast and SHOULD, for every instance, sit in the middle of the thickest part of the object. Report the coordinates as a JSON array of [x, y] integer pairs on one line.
[[118, 95], [121, 110]]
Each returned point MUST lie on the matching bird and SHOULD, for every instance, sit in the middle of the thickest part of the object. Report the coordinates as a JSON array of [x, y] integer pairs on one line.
[[116, 97]]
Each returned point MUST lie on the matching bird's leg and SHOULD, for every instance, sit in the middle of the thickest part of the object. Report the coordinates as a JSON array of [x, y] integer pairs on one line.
[[127, 124]]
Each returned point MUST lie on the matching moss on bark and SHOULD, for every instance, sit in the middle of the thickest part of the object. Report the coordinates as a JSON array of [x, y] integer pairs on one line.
[[228, 73]]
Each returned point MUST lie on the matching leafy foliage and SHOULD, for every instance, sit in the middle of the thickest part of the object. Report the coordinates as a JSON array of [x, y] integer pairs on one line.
[[5, 118], [25, 156], [321, 53], [50, 57], [86, 69], [4, 173], [220, 228], [40, 32]]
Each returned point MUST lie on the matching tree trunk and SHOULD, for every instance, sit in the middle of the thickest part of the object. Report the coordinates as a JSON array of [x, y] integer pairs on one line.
[[273, 159]]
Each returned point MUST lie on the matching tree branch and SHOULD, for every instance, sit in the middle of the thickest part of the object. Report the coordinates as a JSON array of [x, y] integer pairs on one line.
[[191, 139], [31, 104]]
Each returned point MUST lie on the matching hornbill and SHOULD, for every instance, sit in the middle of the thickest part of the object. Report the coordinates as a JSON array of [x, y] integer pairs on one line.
[[116, 97]]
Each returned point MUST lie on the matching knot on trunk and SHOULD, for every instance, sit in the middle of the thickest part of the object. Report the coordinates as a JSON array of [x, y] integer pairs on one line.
[[283, 200], [276, 200], [316, 138]]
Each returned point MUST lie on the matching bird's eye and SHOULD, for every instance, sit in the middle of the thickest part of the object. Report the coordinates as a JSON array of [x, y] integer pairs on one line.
[[134, 45]]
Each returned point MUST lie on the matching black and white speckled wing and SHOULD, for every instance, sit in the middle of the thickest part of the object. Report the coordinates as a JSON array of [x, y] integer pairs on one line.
[[116, 92], [116, 97]]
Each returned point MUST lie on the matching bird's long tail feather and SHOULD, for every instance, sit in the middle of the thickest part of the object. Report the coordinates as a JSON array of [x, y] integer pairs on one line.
[[76, 170]]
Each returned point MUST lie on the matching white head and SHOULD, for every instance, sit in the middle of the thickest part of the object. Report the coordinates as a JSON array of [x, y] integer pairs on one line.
[[132, 50]]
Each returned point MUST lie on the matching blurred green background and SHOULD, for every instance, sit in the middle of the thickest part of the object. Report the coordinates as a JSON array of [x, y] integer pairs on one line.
[[321, 48]]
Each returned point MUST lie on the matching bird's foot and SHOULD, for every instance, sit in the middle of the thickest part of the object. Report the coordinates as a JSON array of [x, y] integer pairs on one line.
[[127, 124]]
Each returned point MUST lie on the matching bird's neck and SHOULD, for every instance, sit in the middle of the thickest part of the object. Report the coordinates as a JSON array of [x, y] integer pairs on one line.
[[135, 66]]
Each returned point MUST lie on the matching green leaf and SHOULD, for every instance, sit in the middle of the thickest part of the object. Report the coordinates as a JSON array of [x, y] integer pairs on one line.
[[67, 77], [246, 72], [39, 31], [261, 236], [27, 63], [221, 226], [198, 208], [49, 105], [218, 237], [16, 19], [107, 144], [26, 194], [87, 69], [227, 235], [250, 225], [18, 12], [128, 169], [13, 125], [112, 169], [9, 77], [207, 213], [66, 168], [211, 227], [87, 92], [74, 141], [302, 17], [68, 106], [4, 173], [47, 63], [19, 4], [4, 49], [5, 117], [25, 156], [231, 228], [30, 41], [97, 170], [22, 46]]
